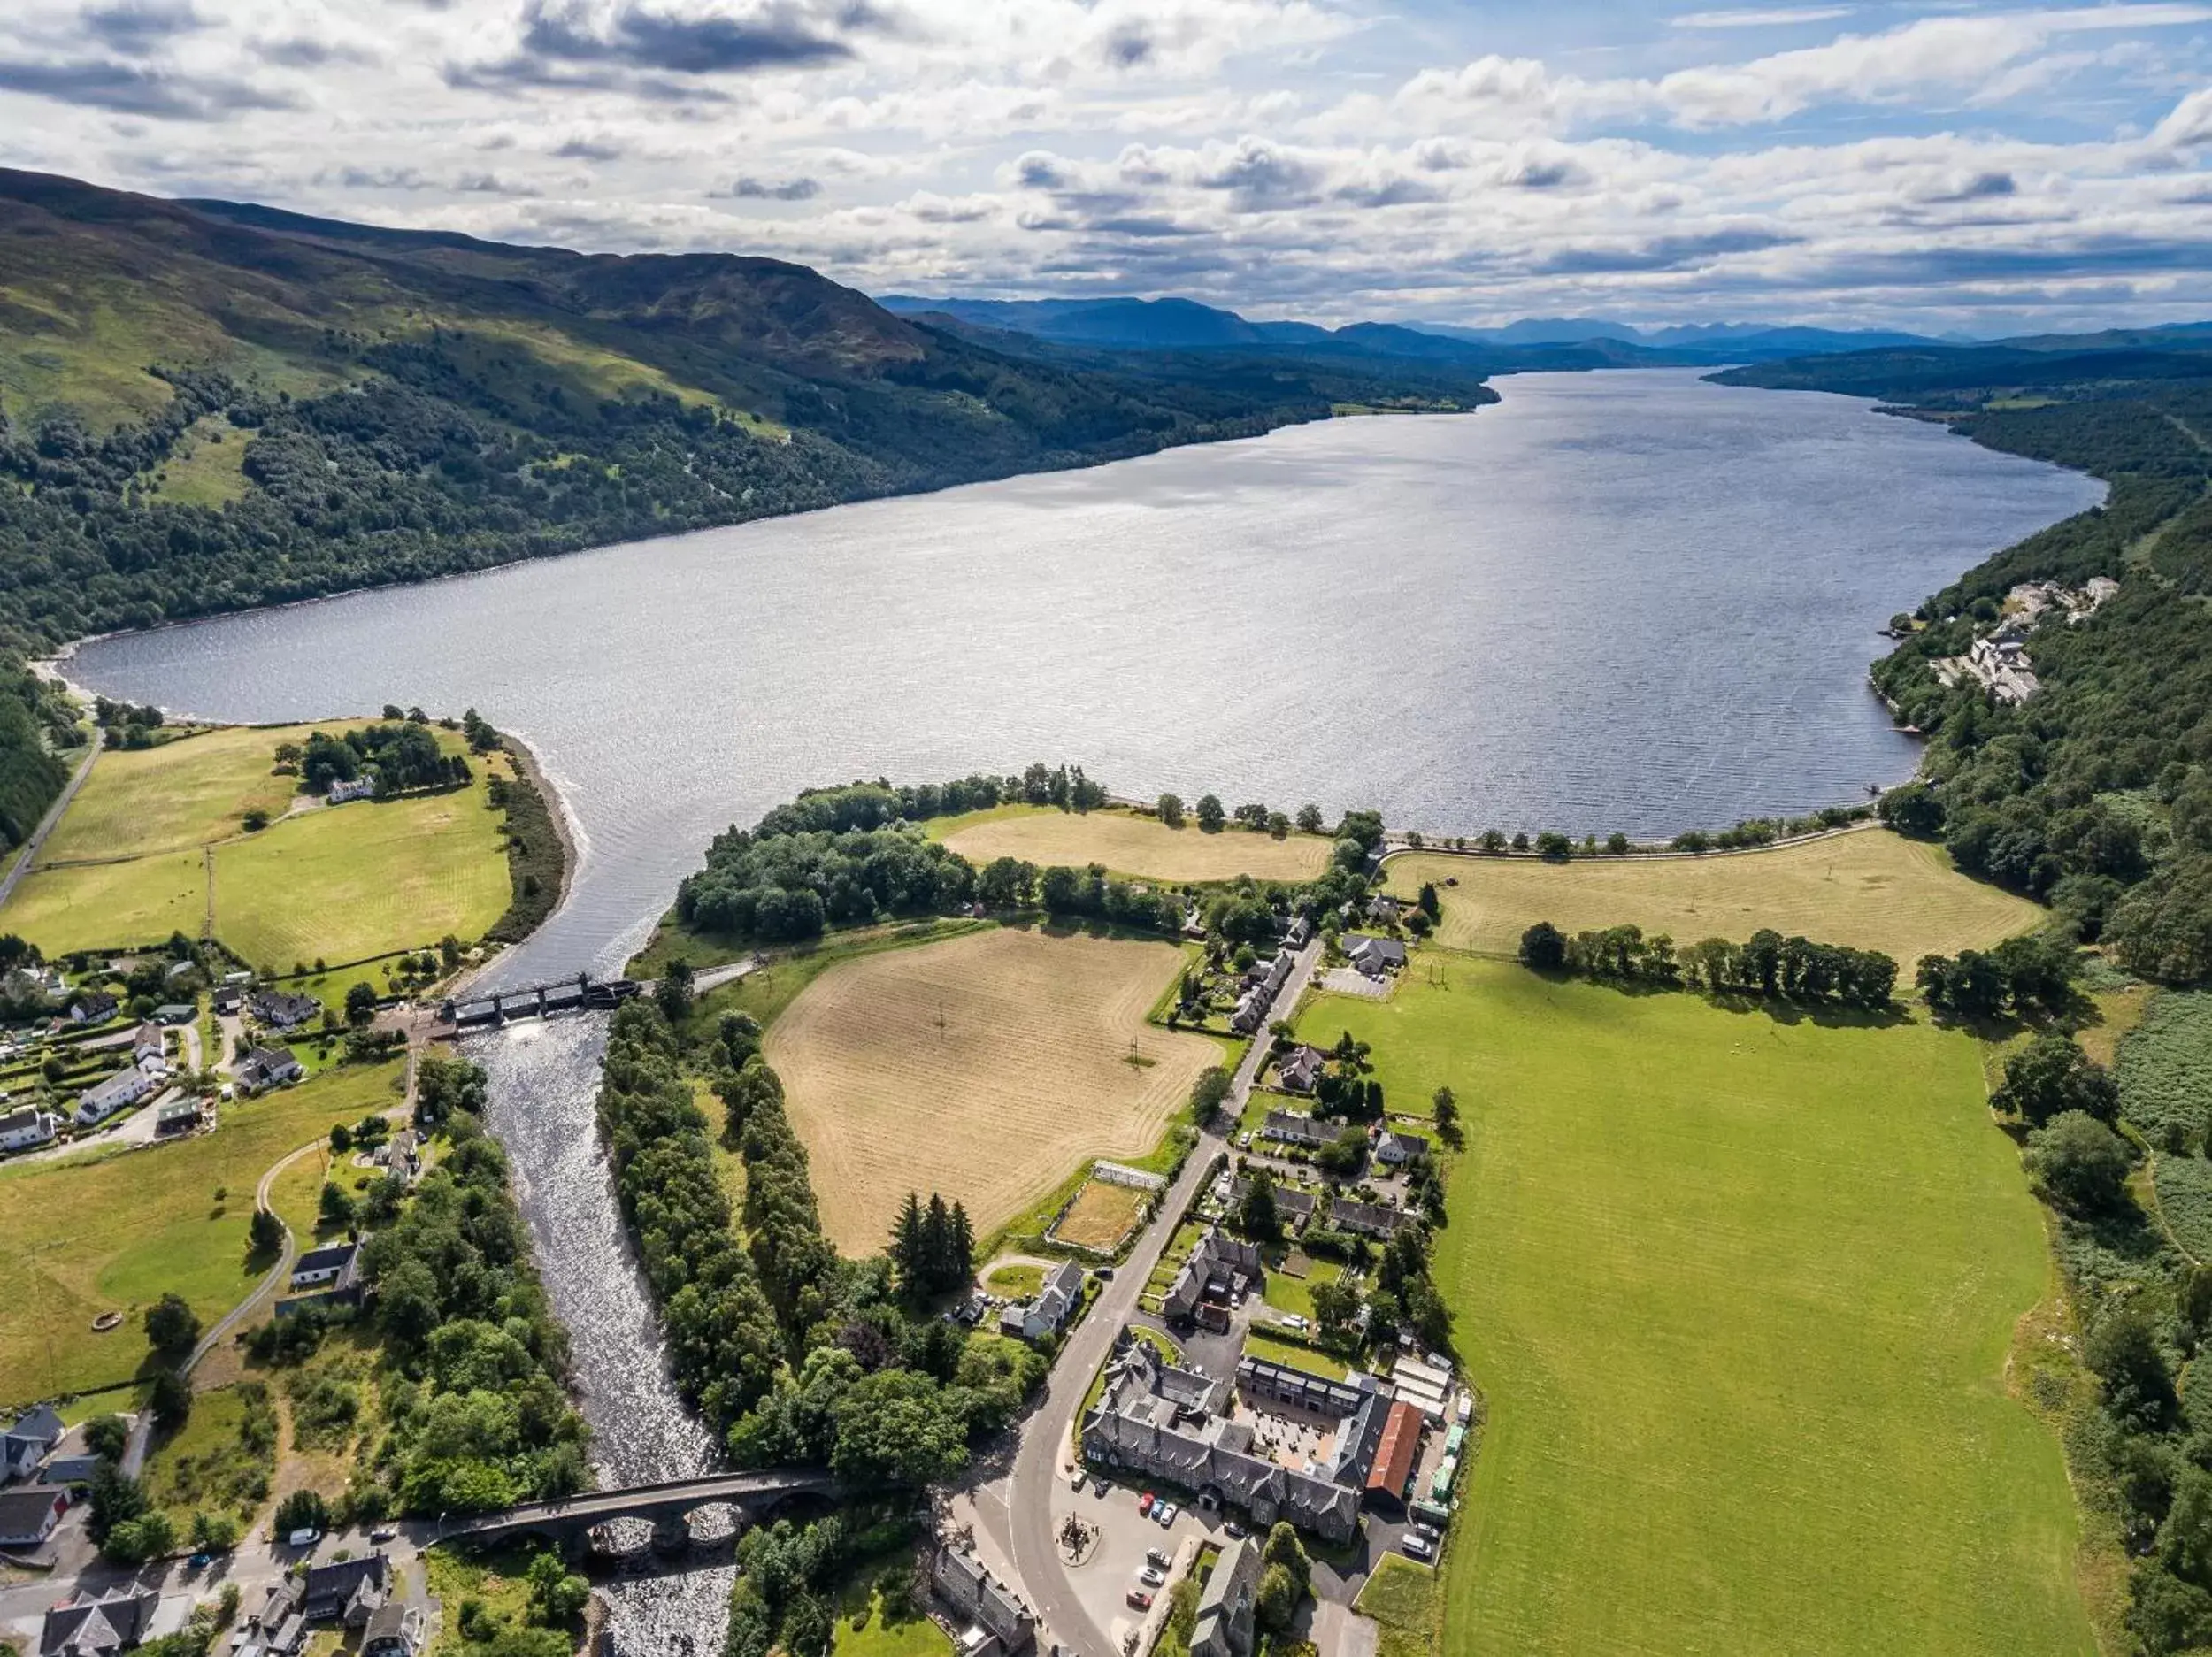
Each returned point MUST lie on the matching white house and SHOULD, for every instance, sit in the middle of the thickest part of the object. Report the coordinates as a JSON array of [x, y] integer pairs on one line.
[[21, 1128], [353, 789], [120, 1091], [326, 1265], [1394, 1150]]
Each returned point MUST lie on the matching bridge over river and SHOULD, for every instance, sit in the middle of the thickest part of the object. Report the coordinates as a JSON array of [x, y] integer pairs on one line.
[[667, 1508]]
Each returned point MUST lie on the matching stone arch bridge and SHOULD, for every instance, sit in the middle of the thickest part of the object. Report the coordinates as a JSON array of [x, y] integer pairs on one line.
[[568, 1523]]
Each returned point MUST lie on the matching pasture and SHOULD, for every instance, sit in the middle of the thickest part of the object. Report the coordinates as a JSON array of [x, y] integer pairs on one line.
[[115, 1231], [1738, 1290], [986, 1066], [155, 843], [1129, 843], [1870, 888]]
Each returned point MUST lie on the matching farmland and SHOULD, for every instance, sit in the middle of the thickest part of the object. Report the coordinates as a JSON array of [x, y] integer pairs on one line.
[[985, 1066], [160, 1226], [1129, 843], [1870, 888], [155, 843], [1740, 1291]]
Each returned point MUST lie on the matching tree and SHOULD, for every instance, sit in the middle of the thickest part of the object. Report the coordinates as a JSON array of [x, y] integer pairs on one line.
[[1170, 811], [106, 1436], [1445, 1106], [1344, 1155], [1310, 819], [672, 993], [1208, 1093], [1210, 816], [1277, 1603], [1335, 1309], [170, 1398], [172, 1327], [2051, 1076], [1427, 902], [301, 1510], [117, 1499], [1283, 1548], [334, 1205], [557, 1595], [361, 1005], [265, 1232], [898, 1427], [1544, 947], [2123, 1349], [909, 1248], [1256, 1216], [131, 1543], [214, 1532], [2080, 1161]]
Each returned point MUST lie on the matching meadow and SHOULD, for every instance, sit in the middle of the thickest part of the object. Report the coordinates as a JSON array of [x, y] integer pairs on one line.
[[115, 1231], [1869, 888], [986, 1067], [1129, 843], [1739, 1289], [155, 843]]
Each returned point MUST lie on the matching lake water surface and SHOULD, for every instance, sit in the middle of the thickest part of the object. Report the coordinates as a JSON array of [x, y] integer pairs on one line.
[[1629, 601], [1613, 601]]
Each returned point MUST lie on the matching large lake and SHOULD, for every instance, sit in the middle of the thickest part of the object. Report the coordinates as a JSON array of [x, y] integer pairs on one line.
[[1630, 601]]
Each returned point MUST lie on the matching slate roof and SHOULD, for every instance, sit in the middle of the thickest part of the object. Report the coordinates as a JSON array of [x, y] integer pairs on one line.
[[108, 1623], [966, 1587], [1294, 1129]]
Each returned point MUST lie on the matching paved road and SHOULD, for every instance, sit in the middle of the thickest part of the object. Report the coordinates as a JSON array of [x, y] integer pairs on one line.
[[21, 866], [1044, 1457]]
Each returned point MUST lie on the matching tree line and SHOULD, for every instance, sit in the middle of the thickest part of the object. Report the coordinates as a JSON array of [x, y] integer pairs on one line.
[[1766, 964]]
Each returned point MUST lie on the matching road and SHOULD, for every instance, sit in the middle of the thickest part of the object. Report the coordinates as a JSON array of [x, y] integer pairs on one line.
[[1024, 1502], [21, 866]]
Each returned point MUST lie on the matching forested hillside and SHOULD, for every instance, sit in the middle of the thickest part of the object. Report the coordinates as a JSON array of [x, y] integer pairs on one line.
[[206, 407], [2094, 794]]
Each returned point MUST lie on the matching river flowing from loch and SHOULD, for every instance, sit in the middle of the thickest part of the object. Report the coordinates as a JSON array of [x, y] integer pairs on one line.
[[1618, 601]]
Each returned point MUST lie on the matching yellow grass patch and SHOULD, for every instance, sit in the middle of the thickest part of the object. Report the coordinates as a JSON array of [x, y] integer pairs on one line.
[[1871, 889], [182, 794], [1101, 1216], [1128, 842], [985, 1067]]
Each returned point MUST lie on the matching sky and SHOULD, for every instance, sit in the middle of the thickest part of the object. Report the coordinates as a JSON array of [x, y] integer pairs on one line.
[[1945, 168]]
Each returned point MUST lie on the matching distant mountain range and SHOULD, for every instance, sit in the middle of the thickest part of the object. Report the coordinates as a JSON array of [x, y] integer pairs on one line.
[[1185, 325]]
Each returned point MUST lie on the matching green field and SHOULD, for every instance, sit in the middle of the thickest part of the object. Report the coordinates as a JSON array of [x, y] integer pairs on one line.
[[115, 1232], [134, 858], [1738, 1292]]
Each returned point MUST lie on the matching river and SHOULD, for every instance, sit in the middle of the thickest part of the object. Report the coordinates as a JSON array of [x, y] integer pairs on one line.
[[1629, 601]]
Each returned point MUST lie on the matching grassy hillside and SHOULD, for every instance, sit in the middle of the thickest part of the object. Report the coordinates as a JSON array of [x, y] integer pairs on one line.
[[1739, 1292]]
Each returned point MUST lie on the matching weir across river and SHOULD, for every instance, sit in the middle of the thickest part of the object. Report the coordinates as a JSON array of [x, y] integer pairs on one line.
[[481, 1009]]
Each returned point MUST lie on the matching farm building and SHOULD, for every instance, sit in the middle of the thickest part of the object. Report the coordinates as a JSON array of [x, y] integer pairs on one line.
[[95, 1008], [178, 1117]]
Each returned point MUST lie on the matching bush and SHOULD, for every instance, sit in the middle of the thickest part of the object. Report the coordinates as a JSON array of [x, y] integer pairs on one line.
[[2050, 1076], [301, 1510], [2081, 1163]]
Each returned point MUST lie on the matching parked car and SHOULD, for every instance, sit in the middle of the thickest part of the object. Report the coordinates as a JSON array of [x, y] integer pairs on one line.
[[1076, 1479], [1156, 1556], [1151, 1575], [1293, 1320], [1166, 1515], [1234, 1530], [1138, 1599], [1099, 1485], [1417, 1545], [1145, 1501], [384, 1533], [1244, 1140]]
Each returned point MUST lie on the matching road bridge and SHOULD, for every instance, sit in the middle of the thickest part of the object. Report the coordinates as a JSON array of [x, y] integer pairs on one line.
[[668, 1507]]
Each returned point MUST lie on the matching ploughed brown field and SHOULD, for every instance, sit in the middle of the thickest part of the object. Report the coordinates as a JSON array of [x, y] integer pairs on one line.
[[987, 1067]]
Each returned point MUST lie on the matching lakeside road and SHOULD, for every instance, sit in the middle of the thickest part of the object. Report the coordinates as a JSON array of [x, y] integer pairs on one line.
[[1017, 1510], [28, 853]]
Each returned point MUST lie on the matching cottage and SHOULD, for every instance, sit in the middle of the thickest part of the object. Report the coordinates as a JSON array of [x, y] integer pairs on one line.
[[347, 1590], [1395, 1150], [97, 1008], [149, 1046], [1368, 1219], [1301, 1068], [1294, 1205], [281, 1009], [26, 1442], [1374, 956], [266, 1068], [227, 999], [1251, 1011], [115, 1621], [326, 1265], [26, 1126], [1216, 1271], [1384, 912], [28, 1515], [345, 788], [999, 1625], [277, 1626], [394, 1629], [1048, 1313], [1227, 1604], [120, 1092], [1292, 1129], [1295, 935]]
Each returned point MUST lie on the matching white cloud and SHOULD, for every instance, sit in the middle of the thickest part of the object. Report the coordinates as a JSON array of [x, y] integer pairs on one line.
[[1779, 17]]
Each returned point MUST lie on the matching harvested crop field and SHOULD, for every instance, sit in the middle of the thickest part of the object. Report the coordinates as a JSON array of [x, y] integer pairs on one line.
[[986, 1067], [1131, 844], [1870, 888], [1099, 1217]]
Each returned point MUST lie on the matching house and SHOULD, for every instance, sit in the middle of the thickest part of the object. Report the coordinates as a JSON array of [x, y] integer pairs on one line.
[[97, 1008], [401, 1153], [120, 1091], [174, 1013], [328, 1264], [71, 1461], [1048, 1313], [1251, 1011], [26, 1442], [1368, 1219], [1293, 1129], [265, 1067], [1227, 1604], [345, 788], [1392, 1469], [29, 1512], [115, 1621], [227, 999], [178, 1117], [394, 1629], [998, 1624], [1374, 956], [1384, 912], [1301, 1068], [21, 1128], [1294, 1205], [277, 1626], [149, 1046], [1295, 935], [347, 1590], [281, 1009], [1395, 1150], [1216, 1271]]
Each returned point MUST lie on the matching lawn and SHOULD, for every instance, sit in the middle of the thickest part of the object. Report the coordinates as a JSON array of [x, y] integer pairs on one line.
[[870, 1623], [1129, 843], [1402, 1597], [115, 1231], [1294, 1294], [985, 1067], [131, 860], [1738, 1290], [1871, 889], [1259, 1344], [1015, 1283]]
